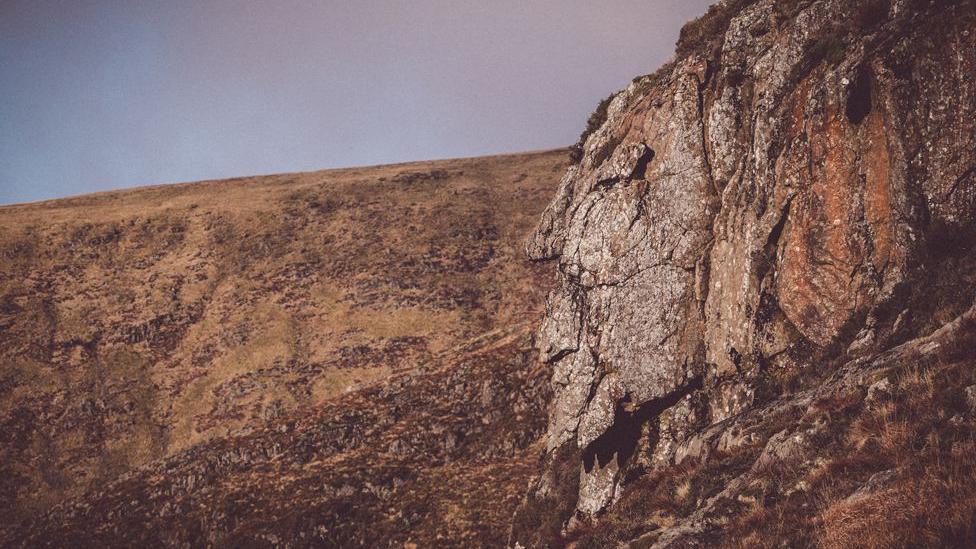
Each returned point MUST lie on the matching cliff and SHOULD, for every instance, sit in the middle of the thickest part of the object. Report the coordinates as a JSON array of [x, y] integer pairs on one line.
[[751, 238]]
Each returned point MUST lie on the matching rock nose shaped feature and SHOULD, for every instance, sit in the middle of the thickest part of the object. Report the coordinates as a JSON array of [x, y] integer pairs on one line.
[[633, 232]]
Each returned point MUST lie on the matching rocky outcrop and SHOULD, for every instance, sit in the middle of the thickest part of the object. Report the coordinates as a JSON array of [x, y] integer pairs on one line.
[[785, 194]]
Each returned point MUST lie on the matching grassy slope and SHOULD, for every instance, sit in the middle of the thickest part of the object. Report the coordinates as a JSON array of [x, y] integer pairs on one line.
[[137, 324]]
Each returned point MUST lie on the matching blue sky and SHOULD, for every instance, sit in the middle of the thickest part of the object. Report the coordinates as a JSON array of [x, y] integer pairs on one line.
[[100, 95]]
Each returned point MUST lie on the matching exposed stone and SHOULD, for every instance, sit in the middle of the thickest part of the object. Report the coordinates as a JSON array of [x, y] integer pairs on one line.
[[877, 482], [970, 393], [759, 206], [877, 391]]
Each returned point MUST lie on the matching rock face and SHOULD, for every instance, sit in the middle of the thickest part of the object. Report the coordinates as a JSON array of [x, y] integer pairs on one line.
[[784, 194]]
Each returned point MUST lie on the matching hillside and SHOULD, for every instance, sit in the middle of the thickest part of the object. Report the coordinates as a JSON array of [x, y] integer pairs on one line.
[[141, 325], [760, 326]]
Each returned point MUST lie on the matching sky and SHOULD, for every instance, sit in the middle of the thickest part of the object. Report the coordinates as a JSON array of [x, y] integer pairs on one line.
[[102, 94]]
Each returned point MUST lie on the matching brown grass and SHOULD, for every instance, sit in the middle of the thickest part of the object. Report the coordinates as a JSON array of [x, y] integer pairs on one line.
[[593, 123], [930, 505], [157, 318], [931, 499], [708, 31], [928, 498], [897, 472], [660, 499]]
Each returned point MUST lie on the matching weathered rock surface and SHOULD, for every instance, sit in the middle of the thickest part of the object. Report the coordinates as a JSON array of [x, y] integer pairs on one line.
[[787, 193]]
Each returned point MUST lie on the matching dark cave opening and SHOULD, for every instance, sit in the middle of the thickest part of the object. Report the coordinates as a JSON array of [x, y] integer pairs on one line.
[[640, 169], [622, 438], [859, 97]]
